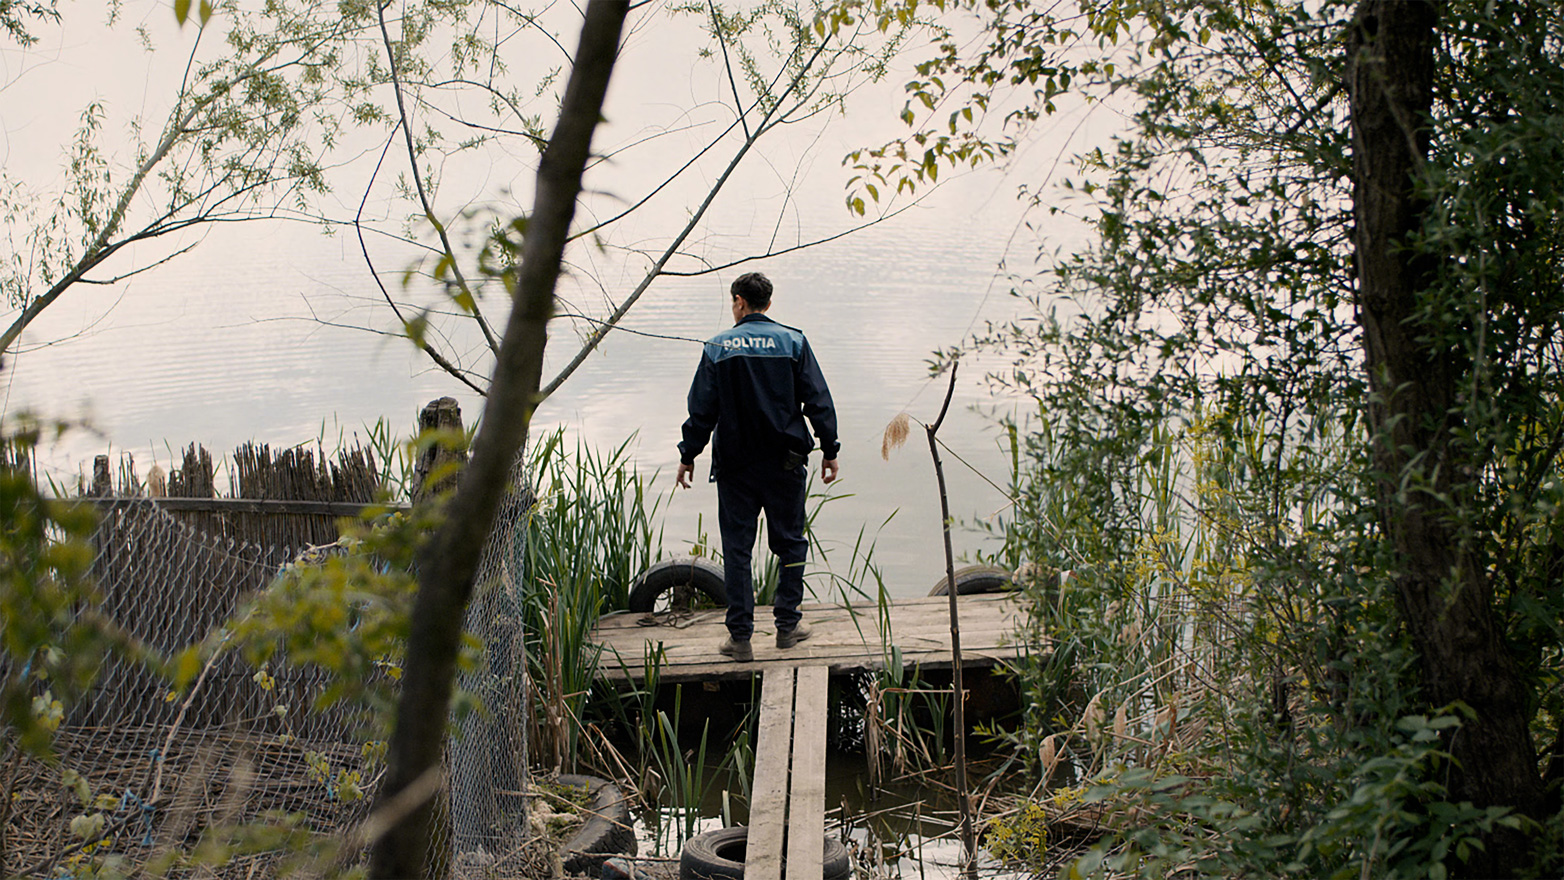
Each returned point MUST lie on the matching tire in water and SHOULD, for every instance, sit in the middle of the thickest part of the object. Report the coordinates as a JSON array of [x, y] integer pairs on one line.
[[608, 830], [719, 855]]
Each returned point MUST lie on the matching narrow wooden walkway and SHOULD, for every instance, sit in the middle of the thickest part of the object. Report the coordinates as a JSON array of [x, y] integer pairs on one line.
[[786, 835], [847, 638]]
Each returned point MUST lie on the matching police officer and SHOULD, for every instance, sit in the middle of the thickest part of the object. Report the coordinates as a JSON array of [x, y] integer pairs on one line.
[[756, 384]]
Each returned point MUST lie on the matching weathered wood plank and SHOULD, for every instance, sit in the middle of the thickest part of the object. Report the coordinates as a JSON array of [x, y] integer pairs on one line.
[[933, 611], [275, 507], [845, 638], [806, 792], [768, 790]]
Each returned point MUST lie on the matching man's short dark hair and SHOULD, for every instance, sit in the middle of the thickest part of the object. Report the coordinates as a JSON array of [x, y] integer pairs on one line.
[[755, 288]]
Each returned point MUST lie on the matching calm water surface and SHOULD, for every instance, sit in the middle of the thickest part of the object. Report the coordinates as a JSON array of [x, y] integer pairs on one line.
[[275, 333], [224, 353]]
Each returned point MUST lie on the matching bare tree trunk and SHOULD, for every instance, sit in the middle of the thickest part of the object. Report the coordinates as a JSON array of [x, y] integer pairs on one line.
[[1426, 476], [958, 703], [447, 564]]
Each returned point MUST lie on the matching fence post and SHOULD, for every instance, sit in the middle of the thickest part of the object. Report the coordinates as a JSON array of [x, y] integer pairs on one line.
[[443, 414], [102, 479], [482, 813]]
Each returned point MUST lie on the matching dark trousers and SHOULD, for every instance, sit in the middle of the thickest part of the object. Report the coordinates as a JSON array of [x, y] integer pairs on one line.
[[741, 496]]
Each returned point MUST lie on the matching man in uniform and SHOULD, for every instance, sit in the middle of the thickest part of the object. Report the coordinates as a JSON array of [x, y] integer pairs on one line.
[[756, 384]]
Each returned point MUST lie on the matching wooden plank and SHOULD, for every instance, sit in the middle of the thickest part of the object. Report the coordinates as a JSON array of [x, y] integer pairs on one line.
[[768, 789], [933, 610], [806, 793], [846, 639], [276, 507], [908, 617], [675, 669], [674, 673], [676, 662], [904, 629]]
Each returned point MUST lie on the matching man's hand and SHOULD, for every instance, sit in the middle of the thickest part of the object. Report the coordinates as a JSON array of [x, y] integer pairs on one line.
[[828, 471], [682, 479]]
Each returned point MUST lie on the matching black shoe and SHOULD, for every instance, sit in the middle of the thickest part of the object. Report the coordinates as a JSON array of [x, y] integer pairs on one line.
[[739, 649], [787, 638]]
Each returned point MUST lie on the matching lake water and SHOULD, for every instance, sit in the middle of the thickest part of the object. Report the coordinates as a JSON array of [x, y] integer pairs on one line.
[[276, 333]]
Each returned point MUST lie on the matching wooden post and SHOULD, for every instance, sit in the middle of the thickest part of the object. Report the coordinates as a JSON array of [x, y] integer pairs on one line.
[[959, 700], [444, 415], [433, 474], [102, 479]]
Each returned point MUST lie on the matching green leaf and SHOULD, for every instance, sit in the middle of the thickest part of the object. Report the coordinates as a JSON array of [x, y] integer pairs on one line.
[[181, 10], [187, 666], [88, 827], [77, 786], [417, 328]]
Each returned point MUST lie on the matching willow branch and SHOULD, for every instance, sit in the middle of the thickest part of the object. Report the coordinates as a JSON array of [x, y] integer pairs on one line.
[[423, 195], [597, 336]]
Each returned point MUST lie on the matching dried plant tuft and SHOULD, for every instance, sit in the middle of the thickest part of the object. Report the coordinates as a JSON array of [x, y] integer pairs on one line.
[[895, 434], [1049, 753], [1093, 716]]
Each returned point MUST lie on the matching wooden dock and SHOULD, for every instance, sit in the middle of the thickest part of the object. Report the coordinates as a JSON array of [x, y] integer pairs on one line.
[[787, 807], [847, 638], [785, 838]]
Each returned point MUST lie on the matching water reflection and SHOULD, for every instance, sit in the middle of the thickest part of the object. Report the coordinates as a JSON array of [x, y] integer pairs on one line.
[[907, 830], [205, 356], [250, 337]]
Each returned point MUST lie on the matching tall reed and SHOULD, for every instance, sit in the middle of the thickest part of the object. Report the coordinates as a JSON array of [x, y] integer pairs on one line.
[[687, 772], [1144, 561], [589, 532], [592, 530]]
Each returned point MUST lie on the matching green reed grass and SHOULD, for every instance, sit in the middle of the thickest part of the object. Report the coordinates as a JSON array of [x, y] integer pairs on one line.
[[689, 780], [1164, 539], [590, 530], [593, 528]]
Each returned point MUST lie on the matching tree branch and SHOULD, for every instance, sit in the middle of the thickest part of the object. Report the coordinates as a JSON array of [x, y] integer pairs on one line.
[[101, 248], [596, 336], [423, 344], [418, 182], [448, 562]]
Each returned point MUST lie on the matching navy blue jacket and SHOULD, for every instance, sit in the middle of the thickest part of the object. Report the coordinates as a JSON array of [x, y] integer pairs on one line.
[[756, 383]]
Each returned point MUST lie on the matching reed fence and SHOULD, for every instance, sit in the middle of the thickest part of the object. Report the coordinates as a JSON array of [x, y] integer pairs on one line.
[[173, 561]]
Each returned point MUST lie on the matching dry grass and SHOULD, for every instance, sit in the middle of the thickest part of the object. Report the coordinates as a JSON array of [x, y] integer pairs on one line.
[[212, 779]]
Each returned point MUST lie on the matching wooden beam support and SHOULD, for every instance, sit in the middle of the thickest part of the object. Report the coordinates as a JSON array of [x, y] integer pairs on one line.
[[244, 505], [806, 793], [768, 791]]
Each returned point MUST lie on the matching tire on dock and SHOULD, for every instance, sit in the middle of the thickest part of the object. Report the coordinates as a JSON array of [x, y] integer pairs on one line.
[[974, 579], [719, 855], [684, 581]]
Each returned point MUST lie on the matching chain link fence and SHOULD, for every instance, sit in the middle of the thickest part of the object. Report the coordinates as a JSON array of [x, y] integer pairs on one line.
[[143, 775]]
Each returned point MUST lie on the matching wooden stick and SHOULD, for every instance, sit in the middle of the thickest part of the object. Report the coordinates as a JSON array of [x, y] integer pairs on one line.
[[958, 704]]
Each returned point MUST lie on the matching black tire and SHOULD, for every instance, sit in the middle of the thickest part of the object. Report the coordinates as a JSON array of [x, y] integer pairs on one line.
[[608, 830], [973, 579], [719, 855], [678, 584]]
